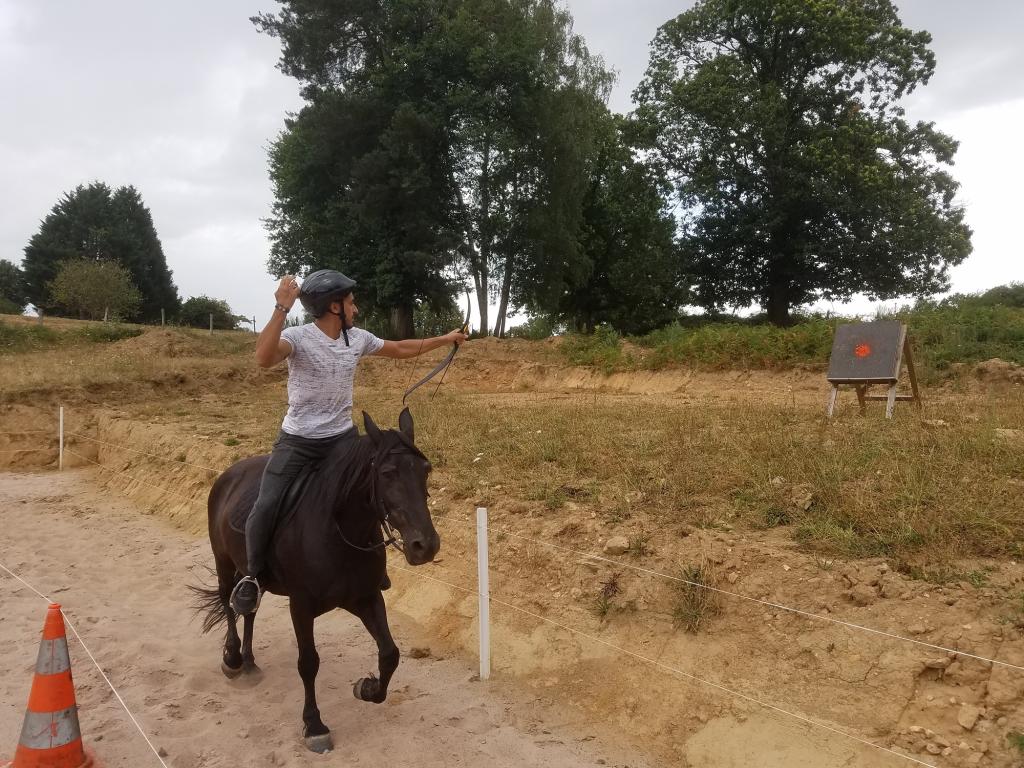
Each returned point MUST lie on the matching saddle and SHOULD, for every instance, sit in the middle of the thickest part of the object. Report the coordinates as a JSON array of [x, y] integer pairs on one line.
[[285, 508]]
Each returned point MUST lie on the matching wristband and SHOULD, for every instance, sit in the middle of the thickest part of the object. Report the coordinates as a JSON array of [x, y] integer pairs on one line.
[[282, 308]]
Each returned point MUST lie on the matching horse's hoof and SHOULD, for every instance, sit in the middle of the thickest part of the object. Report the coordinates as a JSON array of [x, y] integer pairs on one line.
[[320, 744], [367, 689], [230, 672]]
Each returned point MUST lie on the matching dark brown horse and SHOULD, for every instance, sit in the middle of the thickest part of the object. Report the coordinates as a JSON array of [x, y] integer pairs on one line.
[[328, 551]]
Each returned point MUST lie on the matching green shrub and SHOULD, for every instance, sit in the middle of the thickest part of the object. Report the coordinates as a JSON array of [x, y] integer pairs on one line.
[[26, 338], [601, 349]]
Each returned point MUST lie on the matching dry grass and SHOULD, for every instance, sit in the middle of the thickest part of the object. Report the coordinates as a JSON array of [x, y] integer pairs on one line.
[[857, 486], [695, 604]]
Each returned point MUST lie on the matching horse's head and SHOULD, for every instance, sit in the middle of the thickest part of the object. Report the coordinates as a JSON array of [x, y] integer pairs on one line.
[[400, 487]]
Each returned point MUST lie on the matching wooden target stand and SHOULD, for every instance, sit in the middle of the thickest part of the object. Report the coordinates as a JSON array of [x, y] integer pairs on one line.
[[865, 354]]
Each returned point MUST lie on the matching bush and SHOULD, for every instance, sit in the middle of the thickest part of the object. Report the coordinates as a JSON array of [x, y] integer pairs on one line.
[[602, 349], [26, 338], [196, 312], [8, 307], [537, 328], [95, 290]]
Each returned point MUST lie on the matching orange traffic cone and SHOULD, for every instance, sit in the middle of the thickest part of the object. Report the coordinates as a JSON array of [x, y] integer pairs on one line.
[[50, 736]]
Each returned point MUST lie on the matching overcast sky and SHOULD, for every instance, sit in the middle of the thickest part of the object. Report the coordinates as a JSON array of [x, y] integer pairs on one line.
[[182, 99]]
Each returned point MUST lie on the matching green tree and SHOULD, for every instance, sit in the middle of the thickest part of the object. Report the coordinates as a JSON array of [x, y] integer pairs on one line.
[[101, 224], [94, 290], [13, 294], [800, 179], [196, 311], [359, 187], [526, 99], [438, 134], [635, 280]]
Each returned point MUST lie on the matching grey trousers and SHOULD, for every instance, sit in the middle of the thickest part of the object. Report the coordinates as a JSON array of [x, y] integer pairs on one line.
[[290, 454]]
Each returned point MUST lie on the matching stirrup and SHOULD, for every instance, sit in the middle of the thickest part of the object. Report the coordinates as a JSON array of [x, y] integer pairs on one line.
[[233, 600]]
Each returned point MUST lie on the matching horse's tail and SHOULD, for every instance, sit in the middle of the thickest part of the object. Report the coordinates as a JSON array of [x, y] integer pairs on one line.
[[209, 604]]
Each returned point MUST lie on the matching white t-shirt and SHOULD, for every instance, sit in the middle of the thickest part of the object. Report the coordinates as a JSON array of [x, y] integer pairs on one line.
[[320, 375]]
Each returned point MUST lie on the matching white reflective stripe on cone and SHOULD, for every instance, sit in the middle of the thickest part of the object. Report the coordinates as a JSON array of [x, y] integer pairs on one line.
[[43, 730], [53, 657]]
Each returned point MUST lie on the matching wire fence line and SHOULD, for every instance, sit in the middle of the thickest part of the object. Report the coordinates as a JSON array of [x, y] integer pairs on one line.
[[136, 479], [765, 603], [151, 455], [674, 670], [92, 658], [591, 556]]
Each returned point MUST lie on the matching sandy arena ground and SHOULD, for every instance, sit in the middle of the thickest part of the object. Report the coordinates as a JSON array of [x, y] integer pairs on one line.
[[119, 577]]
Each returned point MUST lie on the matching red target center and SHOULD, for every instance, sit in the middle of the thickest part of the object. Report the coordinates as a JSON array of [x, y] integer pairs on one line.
[[862, 350]]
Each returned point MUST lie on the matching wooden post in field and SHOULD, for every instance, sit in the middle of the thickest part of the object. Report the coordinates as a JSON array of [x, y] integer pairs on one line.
[[254, 323], [161, 316], [211, 323], [39, 312], [106, 312]]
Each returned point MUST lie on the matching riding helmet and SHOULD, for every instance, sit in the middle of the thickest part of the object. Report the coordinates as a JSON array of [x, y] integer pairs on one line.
[[321, 288]]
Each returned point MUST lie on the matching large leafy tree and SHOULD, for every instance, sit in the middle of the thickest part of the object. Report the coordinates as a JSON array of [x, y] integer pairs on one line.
[[526, 111], [780, 122], [359, 187], [439, 135], [13, 296], [101, 224], [635, 279]]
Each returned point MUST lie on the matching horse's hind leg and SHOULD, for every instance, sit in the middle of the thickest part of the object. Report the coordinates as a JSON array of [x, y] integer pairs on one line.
[[318, 735], [374, 616], [231, 665]]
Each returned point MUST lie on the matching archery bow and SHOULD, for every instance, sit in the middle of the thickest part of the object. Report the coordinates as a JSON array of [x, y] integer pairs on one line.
[[443, 365]]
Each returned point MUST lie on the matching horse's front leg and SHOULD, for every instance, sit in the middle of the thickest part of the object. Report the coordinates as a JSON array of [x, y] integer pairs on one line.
[[375, 617], [317, 735]]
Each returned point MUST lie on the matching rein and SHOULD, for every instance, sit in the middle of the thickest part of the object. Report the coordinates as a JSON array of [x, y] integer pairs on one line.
[[392, 537]]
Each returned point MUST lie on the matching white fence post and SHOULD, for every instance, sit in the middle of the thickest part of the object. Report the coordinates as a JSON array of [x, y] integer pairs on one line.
[[484, 592], [60, 437]]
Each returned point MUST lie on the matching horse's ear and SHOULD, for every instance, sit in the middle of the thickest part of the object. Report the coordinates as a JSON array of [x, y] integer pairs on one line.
[[371, 429], [405, 424]]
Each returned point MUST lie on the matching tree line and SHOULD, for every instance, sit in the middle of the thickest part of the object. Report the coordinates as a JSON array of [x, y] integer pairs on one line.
[[97, 256], [768, 161], [449, 144]]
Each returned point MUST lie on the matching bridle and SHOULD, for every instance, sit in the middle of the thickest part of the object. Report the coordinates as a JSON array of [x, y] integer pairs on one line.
[[393, 536]]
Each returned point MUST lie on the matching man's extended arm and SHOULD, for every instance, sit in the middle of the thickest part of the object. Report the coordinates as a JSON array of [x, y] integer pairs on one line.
[[413, 347]]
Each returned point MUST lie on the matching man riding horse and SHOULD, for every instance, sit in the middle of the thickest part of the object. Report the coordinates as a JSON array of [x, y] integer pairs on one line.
[[322, 358]]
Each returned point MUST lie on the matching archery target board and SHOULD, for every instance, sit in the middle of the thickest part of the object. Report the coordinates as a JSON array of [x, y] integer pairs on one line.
[[867, 352]]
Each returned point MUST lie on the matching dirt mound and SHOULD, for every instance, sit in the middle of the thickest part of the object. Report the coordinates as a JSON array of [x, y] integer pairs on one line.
[[164, 342], [999, 371]]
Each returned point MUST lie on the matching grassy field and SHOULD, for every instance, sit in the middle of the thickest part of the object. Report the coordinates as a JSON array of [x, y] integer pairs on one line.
[[922, 489]]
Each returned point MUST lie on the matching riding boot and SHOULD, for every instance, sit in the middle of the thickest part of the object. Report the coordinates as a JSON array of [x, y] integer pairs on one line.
[[385, 582], [245, 597]]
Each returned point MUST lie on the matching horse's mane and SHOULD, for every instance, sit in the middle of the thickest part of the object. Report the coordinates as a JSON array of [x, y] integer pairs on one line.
[[346, 469]]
